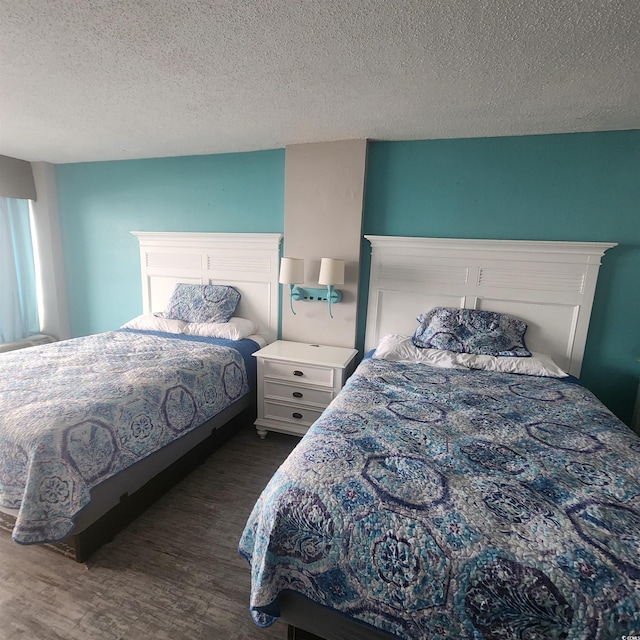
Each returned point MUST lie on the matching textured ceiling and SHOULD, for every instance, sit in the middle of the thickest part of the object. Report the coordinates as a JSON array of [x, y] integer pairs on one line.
[[110, 79]]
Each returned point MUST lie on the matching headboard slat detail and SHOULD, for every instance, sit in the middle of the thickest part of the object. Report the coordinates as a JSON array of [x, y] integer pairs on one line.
[[530, 279]]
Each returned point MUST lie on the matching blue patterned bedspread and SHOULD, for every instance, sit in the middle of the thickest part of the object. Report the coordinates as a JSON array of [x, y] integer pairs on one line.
[[74, 413], [433, 503]]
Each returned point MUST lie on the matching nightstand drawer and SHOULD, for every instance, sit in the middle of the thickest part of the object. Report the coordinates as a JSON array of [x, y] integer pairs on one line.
[[297, 393], [296, 372], [290, 413]]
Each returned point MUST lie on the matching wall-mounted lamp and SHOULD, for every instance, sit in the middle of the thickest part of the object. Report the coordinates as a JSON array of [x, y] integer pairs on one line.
[[292, 273], [331, 273]]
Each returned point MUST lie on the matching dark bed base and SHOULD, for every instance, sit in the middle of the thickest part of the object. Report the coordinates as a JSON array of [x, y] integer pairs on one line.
[[296, 633], [82, 545], [293, 633], [307, 620]]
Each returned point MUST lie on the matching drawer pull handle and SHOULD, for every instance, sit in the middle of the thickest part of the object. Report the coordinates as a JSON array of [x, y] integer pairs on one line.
[[297, 415], [297, 394], [298, 373]]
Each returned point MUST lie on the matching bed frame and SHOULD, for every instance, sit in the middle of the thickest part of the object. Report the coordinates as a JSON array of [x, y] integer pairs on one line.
[[549, 285], [249, 262]]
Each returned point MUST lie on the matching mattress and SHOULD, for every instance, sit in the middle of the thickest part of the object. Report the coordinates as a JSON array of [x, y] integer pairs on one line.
[[76, 413], [442, 503]]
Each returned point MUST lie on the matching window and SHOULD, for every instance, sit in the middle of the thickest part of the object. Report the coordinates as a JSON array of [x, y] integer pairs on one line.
[[18, 297]]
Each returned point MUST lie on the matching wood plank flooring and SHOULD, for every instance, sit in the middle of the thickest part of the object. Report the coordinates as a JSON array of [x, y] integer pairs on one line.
[[173, 574]]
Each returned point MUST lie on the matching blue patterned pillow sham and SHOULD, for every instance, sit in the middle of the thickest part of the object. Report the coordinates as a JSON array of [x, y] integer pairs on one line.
[[202, 303], [471, 331]]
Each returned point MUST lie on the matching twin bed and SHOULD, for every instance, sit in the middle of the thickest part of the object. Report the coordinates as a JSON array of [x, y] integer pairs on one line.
[[455, 495], [95, 428]]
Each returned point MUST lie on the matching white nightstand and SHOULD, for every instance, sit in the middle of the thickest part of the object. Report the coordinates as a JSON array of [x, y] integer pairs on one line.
[[296, 381]]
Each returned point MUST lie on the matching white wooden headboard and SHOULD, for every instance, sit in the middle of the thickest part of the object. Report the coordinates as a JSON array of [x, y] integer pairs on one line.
[[549, 285], [247, 261]]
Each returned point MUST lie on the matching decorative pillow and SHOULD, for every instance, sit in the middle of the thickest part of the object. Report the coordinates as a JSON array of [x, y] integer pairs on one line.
[[235, 329], [471, 331], [539, 364], [153, 322], [400, 349], [202, 303]]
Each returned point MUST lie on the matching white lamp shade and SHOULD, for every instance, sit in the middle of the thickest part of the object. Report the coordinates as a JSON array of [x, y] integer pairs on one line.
[[291, 270], [331, 271]]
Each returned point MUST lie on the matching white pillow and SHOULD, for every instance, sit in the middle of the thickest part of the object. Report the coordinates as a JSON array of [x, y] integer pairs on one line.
[[539, 364], [401, 349], [152, 322], [235, 329]]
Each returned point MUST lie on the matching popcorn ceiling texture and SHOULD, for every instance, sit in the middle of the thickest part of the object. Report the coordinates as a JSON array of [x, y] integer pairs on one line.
[[112, 79]]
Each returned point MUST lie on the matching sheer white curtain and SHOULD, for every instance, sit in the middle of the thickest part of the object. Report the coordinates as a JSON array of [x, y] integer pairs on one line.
[[18, 298]]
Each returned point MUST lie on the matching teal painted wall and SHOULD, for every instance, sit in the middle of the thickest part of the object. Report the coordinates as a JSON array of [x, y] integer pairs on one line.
[[559, 187], [101, 202], [555, 187]]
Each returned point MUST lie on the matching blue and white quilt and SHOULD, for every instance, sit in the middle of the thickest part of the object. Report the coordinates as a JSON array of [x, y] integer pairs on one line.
[[441, 503], [74, 413]]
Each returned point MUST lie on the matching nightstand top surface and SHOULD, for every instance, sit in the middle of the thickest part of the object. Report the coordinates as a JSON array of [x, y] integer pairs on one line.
[[308, 353]]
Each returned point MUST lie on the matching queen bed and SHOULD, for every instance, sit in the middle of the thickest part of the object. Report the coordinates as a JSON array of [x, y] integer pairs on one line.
[[93, 429], [458, 487]]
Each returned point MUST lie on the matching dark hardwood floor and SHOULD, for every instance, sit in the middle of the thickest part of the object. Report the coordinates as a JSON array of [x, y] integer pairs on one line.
[[173, 574]]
